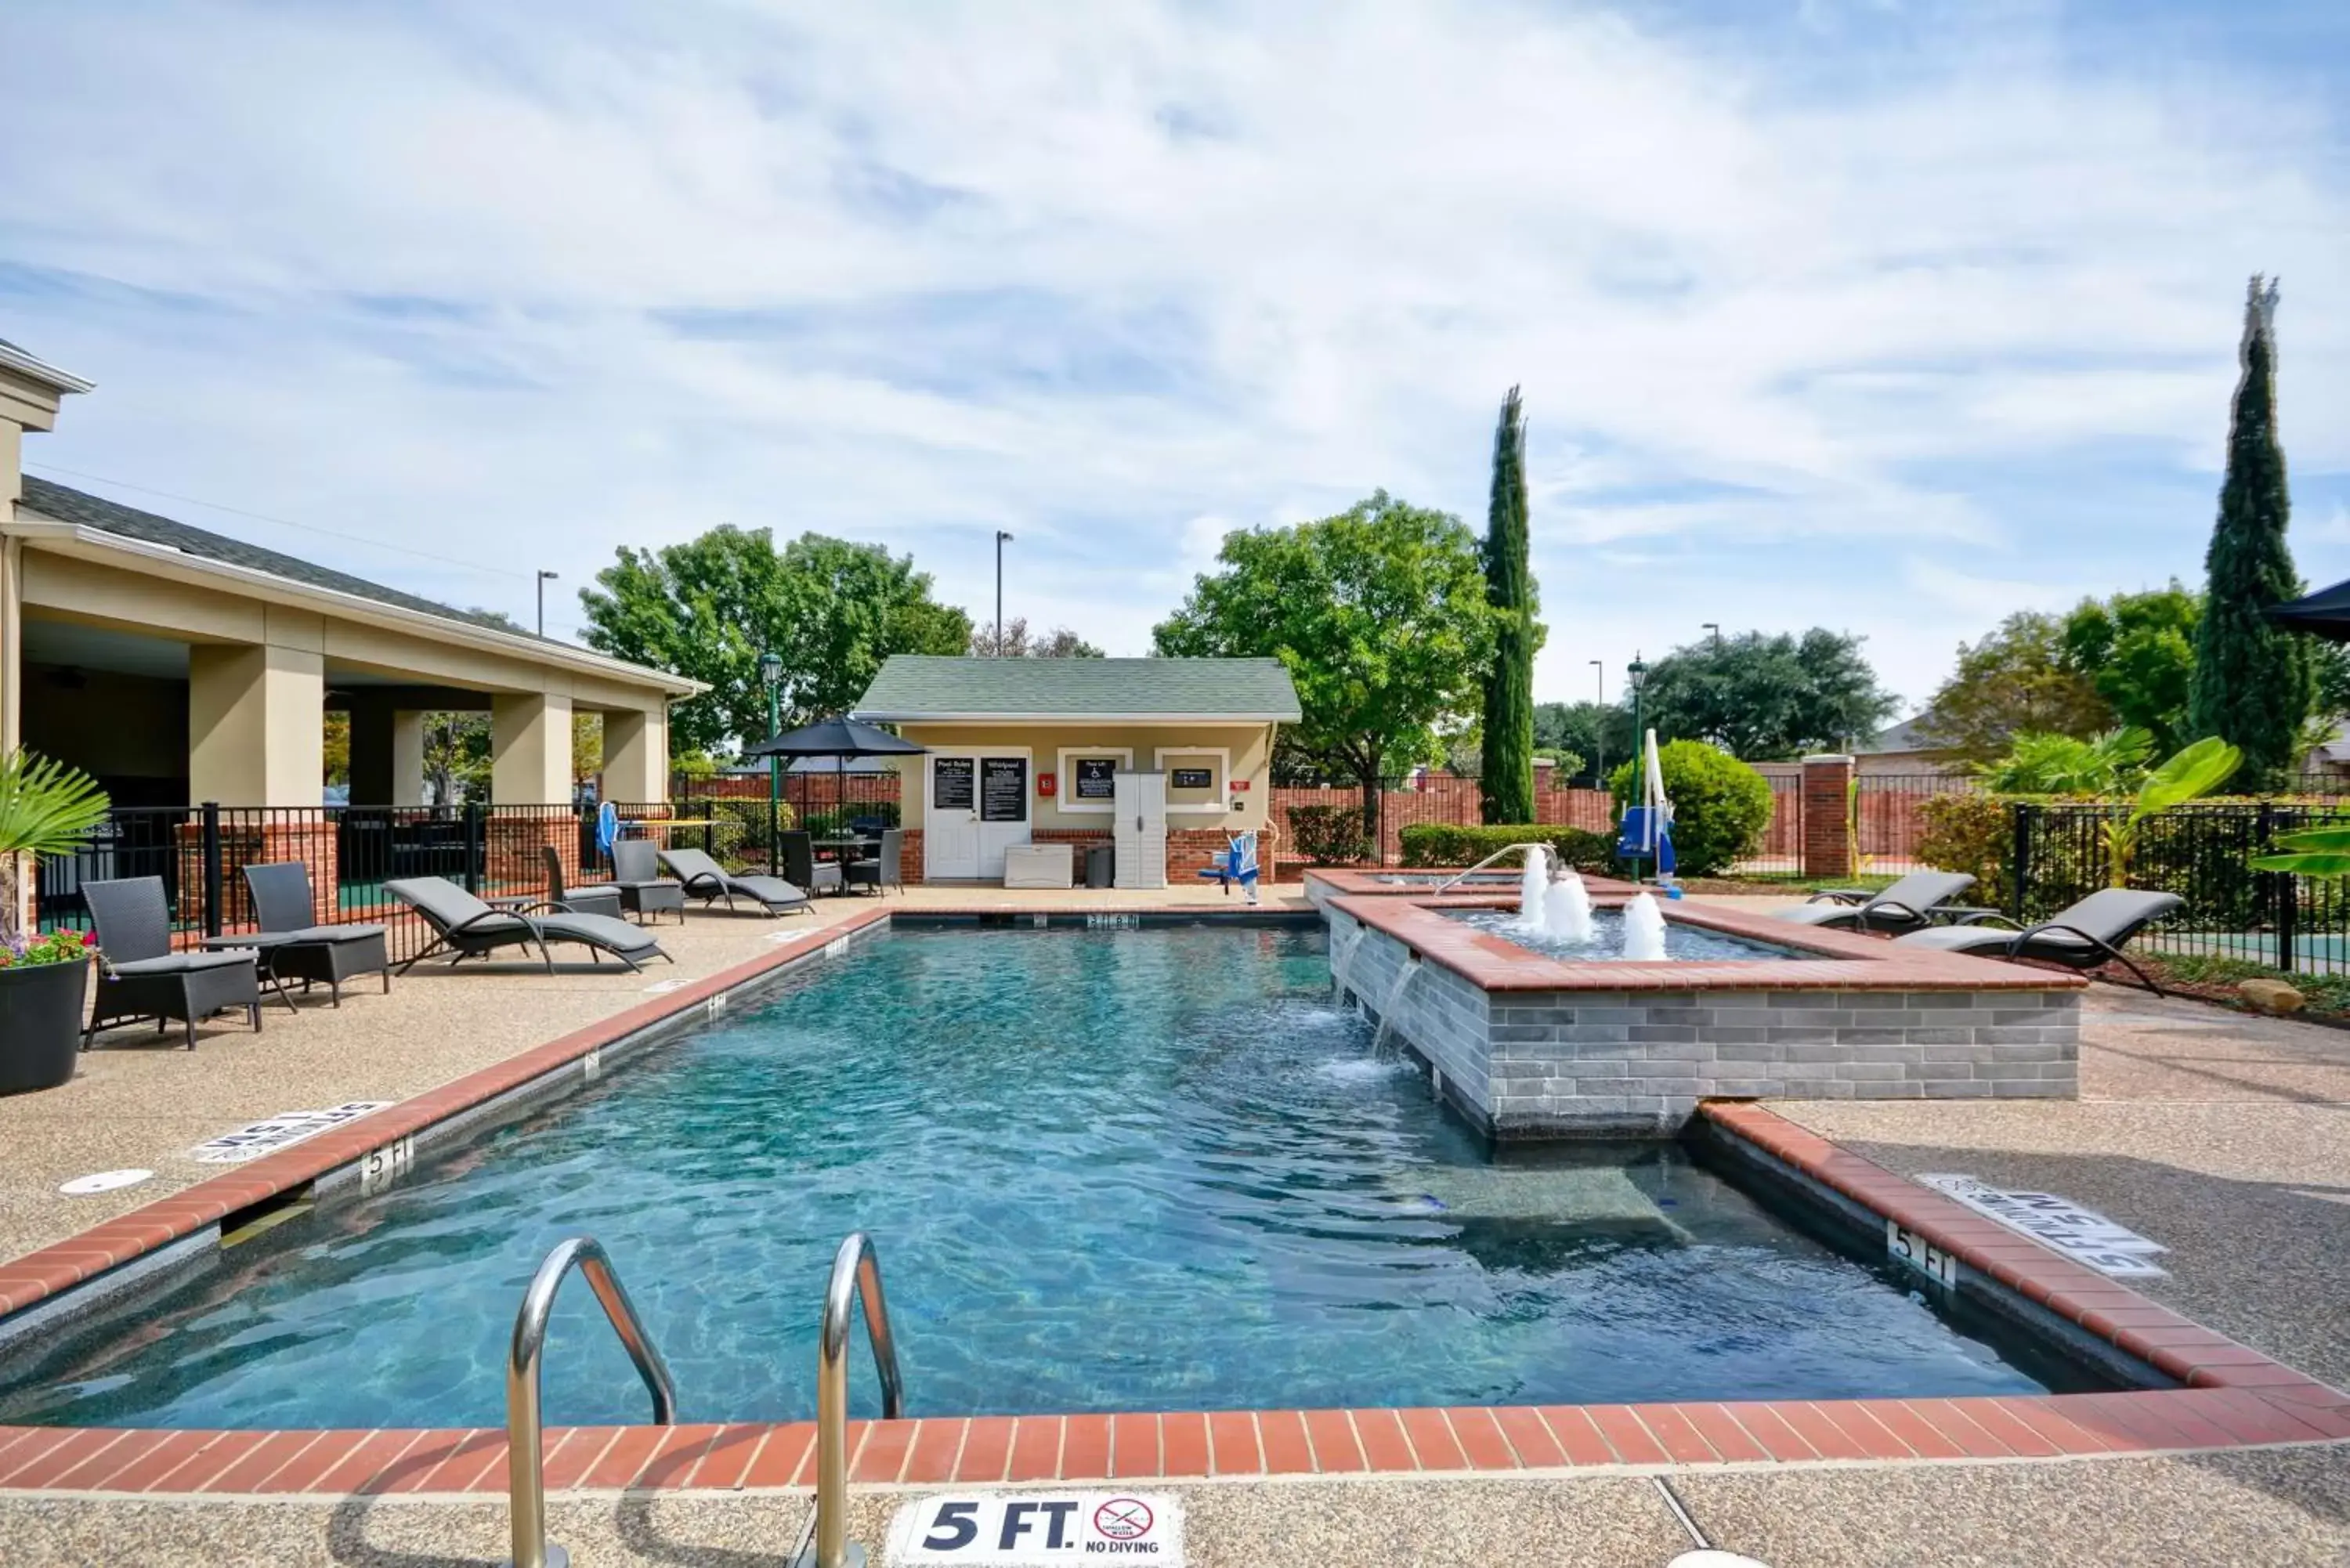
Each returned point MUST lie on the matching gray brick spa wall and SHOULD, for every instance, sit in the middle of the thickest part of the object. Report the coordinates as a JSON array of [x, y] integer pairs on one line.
[[1611, 1063]]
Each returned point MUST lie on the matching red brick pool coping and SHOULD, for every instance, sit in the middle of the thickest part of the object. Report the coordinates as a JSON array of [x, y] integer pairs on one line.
[[2234, 1396], [1847, 961]]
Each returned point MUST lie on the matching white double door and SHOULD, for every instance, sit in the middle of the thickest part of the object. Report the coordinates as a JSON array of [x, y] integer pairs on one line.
[[1139, 832], [974, 808]]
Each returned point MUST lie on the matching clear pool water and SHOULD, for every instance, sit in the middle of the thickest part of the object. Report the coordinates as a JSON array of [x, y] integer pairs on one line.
[[1144, 1169], [1607, 940]]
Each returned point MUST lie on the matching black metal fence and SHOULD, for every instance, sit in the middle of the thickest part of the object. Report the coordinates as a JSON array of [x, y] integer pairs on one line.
[[2202, 853], [200, 852]]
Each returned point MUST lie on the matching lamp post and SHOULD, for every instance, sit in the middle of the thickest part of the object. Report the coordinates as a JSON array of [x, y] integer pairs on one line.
[[1636, 674], [1000, 537], [771, 676], [1714, 627], [544, 578], [1599, 700]]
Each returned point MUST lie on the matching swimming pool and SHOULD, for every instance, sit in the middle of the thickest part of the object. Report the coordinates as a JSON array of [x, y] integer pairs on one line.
[[1108, 1170]]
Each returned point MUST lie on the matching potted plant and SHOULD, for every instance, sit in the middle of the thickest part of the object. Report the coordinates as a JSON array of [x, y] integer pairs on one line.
[[45, 808]]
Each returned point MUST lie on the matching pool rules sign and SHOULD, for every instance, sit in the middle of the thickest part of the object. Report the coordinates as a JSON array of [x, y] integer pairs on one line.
[[1004, 1529]]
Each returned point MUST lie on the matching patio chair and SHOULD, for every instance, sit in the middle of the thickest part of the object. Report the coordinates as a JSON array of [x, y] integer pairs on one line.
[[292, 946], [2082, 937], [138, 975], [465, 928], [707, 880], [1909, 904], [601, 898], [803, 870], [888, 870], [636, 873]]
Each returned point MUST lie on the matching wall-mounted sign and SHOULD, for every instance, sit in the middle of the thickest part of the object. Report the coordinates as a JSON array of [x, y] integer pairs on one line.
[[1094, 778], [951, 783], [1004, 789], [1047, 785], [1239, 786], [1191, 778]]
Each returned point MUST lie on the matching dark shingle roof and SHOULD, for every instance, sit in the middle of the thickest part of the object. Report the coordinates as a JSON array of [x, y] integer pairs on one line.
[[918, 686], [68, 506]]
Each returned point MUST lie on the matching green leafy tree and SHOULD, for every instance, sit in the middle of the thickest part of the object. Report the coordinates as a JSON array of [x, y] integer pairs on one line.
[[1592, 731], [1505, 776], [1380, 614], [1720, 805], [1019, 643], [2017, 680], [2138, 651], [1768, 696], [831, 610], [2254, 683]]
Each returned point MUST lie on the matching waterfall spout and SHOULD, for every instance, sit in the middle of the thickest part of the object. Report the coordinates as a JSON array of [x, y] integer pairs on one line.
[[1395, 995]]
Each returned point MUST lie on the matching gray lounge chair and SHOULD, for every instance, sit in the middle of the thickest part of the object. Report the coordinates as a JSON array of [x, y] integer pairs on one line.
[[138, 975], [2082, 937], [802, 868], [1909, 904], [292, 946], [465, 928], [885, 871], [636, 872], [705, 879]]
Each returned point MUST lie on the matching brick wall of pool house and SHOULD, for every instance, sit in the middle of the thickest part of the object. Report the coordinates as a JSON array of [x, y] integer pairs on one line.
[[1527, 1047]]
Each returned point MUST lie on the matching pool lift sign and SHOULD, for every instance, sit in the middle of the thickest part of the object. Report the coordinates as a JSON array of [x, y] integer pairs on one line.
[[1020, 1530]]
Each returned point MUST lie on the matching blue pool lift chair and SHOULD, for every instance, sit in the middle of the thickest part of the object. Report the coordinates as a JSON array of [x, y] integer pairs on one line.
[[1236, 864], [1636, 842]]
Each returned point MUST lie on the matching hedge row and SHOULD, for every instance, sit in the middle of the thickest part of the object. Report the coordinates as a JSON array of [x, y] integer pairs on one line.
[[1439, 843]]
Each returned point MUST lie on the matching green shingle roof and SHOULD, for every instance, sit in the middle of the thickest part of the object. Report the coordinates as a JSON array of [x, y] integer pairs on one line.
[[917, 686]]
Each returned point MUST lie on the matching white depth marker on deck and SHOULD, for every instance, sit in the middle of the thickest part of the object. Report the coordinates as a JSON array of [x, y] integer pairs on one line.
[[283, 1130], [1035, 1530], [2081, 1234]]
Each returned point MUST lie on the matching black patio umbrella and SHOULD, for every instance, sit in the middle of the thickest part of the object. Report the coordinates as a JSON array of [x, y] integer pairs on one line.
[[839, 739], [2325, 613]]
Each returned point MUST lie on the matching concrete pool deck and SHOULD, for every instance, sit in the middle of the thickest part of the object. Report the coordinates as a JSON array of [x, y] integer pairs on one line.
[[2181, 1101]]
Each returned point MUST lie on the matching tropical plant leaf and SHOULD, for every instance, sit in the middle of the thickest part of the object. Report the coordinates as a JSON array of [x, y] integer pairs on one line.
[[47, 807], [2313, 863], [2332, 839], [2190, 773]]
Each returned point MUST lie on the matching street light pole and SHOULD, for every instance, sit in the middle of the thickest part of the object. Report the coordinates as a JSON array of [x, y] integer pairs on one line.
[[771, 676], [1714, 627], [544, 578], [1599, 692], [1000, 537]]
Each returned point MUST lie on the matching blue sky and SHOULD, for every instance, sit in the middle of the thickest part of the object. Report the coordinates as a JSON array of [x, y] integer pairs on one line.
[[1880, 315]]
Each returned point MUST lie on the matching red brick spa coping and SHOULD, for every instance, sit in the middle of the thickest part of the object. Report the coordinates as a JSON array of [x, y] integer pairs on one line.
[[2232, 1396]]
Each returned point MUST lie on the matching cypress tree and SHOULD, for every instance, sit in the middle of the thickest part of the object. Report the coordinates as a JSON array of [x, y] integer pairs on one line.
[[1507, 771], [2255, 681]]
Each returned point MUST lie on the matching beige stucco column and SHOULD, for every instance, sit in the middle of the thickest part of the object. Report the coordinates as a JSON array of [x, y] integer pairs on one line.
[[530, 749], [407, 758], [636, 756], [11, 635], [255, 725]]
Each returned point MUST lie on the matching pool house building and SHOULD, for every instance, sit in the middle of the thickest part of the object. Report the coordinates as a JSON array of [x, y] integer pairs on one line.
[[1028, 751]]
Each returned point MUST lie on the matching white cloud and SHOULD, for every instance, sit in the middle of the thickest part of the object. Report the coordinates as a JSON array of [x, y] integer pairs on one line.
[[522, 283]]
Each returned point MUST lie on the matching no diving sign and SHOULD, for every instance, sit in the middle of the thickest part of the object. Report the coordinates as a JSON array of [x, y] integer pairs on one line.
[[1007, 1530]]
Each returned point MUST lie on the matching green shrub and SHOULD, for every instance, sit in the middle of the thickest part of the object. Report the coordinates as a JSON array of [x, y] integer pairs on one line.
[[1720, 805], [1439, 843], [1975, 834], [1329, 835]]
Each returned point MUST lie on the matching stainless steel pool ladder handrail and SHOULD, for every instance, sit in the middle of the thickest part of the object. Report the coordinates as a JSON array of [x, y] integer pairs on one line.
[[526, 1480], [855, 1276], [1457, 878]]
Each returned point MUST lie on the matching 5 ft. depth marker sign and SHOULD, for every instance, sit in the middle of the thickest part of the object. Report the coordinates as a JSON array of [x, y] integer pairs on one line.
[[1017, 1529]]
